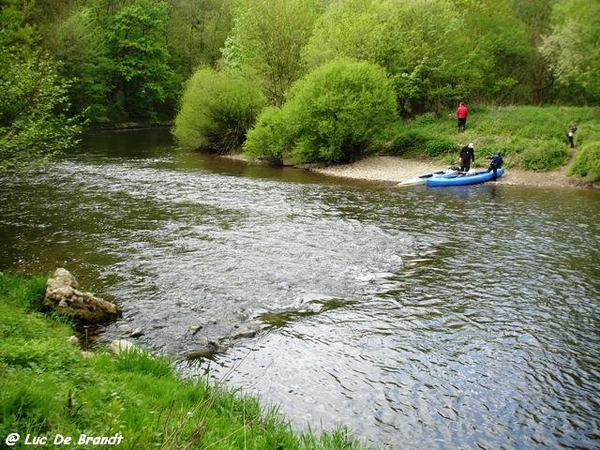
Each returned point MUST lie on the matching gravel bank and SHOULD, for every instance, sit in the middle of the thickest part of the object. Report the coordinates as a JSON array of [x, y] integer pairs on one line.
[[393, 169]]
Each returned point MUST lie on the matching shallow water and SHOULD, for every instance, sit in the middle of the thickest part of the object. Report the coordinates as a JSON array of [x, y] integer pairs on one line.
[[421, 318]]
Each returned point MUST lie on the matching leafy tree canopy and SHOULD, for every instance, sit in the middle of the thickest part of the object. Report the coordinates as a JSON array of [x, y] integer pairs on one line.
[[217, 110], [572, 49], [334, 114], [268, 37]]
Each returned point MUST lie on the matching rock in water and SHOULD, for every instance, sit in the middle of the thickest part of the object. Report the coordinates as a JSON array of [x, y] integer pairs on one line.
[[62, 295]]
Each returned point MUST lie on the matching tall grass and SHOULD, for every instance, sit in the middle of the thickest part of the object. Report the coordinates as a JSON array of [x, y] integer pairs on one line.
[[530, 138], [47, 388]]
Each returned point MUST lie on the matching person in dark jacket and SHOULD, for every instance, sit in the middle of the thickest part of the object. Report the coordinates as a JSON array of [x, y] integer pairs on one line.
[[467, 155], [571, 134], [495, 163]]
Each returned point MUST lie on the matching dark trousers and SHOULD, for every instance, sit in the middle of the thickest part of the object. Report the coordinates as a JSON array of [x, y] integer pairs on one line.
[[465, 165], [495, 170], [462, 124]]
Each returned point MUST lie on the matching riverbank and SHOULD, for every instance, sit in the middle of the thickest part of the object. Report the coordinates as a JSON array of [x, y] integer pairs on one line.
[[54, 393], [394, 169]]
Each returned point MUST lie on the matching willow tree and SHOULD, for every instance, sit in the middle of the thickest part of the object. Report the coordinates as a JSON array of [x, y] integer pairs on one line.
[[336, 113], [217, 109], [268, 37]]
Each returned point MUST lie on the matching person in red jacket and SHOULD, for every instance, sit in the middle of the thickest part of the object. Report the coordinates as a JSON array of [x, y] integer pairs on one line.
[[461, 115]]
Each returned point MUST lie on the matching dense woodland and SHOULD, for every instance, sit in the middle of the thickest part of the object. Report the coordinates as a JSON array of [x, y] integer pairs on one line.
[[231, 64]]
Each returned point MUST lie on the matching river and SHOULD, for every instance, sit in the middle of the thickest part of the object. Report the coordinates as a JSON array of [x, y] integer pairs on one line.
[[420, 318]]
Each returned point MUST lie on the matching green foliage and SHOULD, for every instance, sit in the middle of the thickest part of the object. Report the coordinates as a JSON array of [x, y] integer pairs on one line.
[[587, 162], [420, 44], [546, 156], [268, 38], [34, 125], [216, 111], [406, 142], [272, 137], [79, 43], [47, 387], [136, 43], [572, 49], [197, 33], [335, 114], [439, 146]]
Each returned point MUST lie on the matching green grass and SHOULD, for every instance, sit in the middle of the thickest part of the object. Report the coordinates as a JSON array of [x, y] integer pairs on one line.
[[530, 138], [48, 388]]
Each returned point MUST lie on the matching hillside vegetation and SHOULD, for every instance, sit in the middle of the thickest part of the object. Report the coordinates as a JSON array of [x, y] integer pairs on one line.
[[49, 389], [107, 62], [530, 138]]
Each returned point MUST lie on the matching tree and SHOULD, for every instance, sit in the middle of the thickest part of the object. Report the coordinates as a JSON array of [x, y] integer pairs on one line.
[[536, 16], [334, 114], [419, 42], [268, 37], [572, 49], [78, 42], [33, 122], [144, 84], [197, 32], [217, 109]]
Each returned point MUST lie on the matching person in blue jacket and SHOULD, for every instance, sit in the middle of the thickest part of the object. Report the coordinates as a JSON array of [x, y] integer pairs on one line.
[[495, 163]]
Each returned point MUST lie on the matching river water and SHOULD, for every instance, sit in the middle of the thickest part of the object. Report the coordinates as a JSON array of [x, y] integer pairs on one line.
[[421, 318]]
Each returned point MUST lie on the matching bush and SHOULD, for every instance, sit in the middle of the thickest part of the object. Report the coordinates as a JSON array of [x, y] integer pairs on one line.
[[407, 141], [271, 138], [439, 146], [217, 109], [342, 109], [335, 114], [546, 156], [34, 125], [587, 162]]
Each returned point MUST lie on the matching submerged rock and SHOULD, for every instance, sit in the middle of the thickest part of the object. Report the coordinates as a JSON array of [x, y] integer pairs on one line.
[[62, 295]]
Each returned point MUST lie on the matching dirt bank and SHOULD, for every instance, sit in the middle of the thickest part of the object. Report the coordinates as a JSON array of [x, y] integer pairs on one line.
[[394, 169]]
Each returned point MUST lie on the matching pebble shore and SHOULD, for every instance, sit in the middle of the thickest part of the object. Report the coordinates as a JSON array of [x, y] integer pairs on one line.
[[394, 170]]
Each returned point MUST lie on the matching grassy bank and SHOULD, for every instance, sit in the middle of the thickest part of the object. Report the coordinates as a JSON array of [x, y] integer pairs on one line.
[[50, 391], [530, 138]]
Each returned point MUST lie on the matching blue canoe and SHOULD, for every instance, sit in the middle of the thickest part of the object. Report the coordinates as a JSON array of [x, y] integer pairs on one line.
[[420, 179], [463, 179]]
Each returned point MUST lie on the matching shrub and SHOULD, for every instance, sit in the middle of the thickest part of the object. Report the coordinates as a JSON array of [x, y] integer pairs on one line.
[[439, 146], [587, 162], [406, 142], [271, 137], [217, 109], [546, 156], [335, 114], [342, 109]]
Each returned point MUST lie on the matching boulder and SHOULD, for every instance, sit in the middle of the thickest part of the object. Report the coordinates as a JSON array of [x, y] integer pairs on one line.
[[63, 296]]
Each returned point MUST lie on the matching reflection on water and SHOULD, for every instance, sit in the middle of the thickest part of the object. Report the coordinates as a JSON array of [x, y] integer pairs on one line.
[[421, 318]]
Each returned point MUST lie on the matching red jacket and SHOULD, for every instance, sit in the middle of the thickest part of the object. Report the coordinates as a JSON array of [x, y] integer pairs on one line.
[[462, 112]]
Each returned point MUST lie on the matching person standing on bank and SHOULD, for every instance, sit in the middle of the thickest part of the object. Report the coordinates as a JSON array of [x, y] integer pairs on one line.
[[461, 116], [495, 163], [571, 134], [467, 155]]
